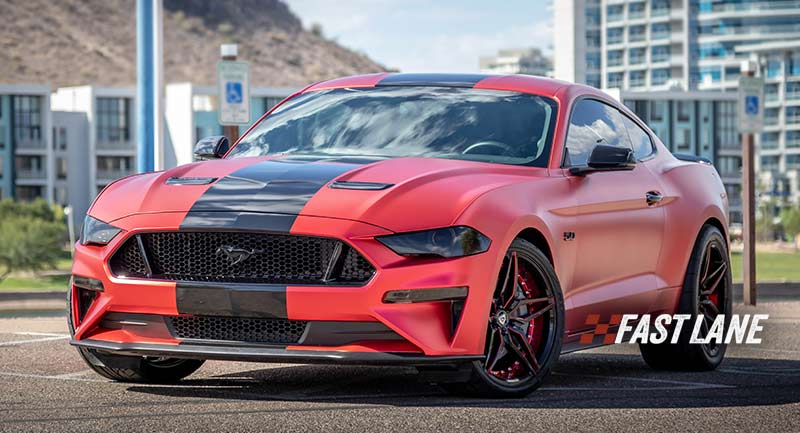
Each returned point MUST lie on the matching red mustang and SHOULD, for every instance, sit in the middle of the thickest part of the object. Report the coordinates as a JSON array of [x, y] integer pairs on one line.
[[469, 224]]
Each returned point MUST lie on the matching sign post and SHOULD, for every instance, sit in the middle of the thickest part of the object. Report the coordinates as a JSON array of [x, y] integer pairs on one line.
[[234, 92], [751, 121]]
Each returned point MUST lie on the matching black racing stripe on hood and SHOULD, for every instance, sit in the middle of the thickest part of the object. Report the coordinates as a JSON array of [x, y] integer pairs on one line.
[[432, 79], [267, 195]]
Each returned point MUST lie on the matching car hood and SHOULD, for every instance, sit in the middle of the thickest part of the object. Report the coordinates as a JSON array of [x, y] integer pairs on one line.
[[405, 193]]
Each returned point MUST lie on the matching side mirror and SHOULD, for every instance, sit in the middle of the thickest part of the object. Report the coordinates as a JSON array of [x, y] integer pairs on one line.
[[607, 158], [214, 147]]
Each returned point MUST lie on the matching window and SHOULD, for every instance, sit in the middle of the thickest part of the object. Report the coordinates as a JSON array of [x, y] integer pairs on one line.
[[770, 162], [636, 33], [636, 10], [660, 53], [710, 74], [657, 110], [27, 192], [684, 111], [615, 80], [593, 60], [792, 161], [637, 79], [660, 76], [438, 122], [593, 123], [61, 168], [640, 140], [27, 119], [62, 138], [112, 119], [614, 58], [659, 7], [660, 31], [637, 56], [792, 138], [614, 36], [614, 12], [769, 140]]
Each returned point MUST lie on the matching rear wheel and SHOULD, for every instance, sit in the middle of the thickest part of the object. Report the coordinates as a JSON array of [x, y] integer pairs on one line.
[[133, 368], [706, 293], [525, 327]]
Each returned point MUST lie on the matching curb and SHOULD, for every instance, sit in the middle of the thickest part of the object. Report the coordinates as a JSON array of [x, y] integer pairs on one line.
[[33, 301]]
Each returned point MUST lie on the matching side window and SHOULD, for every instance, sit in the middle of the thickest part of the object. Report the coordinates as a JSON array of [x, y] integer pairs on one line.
[[593, 123], [642, 145]]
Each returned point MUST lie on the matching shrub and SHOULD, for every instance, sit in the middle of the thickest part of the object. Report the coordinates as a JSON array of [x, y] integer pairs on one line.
[[31, 236]]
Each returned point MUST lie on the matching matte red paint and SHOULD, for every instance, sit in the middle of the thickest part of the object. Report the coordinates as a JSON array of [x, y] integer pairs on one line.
[[627, 257]]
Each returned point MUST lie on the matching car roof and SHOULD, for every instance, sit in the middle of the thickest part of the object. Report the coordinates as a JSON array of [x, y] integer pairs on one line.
[[517, 83]]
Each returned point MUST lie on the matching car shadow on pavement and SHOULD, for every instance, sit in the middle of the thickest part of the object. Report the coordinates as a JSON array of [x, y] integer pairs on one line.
[[579, 381]]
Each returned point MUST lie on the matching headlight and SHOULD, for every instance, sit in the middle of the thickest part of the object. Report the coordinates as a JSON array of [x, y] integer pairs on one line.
[[447, 242], [96, 232]]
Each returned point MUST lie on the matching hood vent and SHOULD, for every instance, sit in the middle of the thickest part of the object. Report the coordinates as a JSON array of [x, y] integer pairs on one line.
[[190, 180], [367, 186]]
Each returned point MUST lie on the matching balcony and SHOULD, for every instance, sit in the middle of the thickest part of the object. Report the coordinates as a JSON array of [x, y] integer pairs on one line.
[[750, 6], [659, 35], [659, 12], [30, 144], [771, 96], [109, 175], [116, 145], [37, 174]]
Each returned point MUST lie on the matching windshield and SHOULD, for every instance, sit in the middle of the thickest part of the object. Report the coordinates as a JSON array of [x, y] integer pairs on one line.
[[457, 123]]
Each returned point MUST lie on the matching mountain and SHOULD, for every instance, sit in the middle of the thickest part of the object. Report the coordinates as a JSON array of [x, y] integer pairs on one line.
[[75, 42]]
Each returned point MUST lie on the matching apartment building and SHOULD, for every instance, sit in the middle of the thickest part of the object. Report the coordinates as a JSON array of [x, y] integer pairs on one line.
[[528, 61], [110, 130], [26, 154]]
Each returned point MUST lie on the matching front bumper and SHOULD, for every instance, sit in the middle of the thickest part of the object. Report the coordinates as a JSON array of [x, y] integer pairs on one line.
[[426, 330], [269, 354]]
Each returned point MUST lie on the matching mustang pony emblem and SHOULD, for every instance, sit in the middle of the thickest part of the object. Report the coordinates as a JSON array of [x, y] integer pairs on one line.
[[236, 255]]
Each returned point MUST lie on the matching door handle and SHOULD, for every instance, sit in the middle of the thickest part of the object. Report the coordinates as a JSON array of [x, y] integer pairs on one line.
[[653, 197]]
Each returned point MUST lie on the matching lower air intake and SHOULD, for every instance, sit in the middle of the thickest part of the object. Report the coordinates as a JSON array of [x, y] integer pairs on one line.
[[237, 329]]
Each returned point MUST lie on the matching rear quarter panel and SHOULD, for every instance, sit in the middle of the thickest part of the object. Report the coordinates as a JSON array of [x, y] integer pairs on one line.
[[694, 195]]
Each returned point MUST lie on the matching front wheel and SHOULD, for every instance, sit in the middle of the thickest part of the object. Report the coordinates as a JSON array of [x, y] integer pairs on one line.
[[525, 327], [133, 368]]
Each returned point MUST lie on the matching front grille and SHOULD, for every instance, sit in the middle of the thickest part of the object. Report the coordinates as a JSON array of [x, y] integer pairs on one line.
[[237, 329], [265, 258]]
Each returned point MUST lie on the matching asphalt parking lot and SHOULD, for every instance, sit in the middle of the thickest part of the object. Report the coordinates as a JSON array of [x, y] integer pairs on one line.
[[44, 386]]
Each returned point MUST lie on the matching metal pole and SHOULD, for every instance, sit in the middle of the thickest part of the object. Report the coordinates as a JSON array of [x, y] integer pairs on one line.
[[749, 212], [229, 52], [158, 86], [144, 85]]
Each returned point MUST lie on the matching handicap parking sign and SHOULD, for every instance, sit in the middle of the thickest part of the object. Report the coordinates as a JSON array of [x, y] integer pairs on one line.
[[233, 92], [751, 105]]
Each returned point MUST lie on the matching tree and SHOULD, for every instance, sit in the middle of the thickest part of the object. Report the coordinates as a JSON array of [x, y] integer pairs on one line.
[[31, 236], [790, 219]]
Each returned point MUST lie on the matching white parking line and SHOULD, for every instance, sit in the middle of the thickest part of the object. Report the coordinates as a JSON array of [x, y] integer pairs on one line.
[[38, 334], [37, 340], [685, 384], [42, 376]]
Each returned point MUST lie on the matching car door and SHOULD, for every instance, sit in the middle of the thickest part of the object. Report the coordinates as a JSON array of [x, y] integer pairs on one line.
[[619, 224]]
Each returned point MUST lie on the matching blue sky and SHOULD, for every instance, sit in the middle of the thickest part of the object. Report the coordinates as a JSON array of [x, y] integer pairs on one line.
[[428, 35]]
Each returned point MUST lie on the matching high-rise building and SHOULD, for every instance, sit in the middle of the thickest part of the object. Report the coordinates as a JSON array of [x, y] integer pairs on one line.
[[693, 45]]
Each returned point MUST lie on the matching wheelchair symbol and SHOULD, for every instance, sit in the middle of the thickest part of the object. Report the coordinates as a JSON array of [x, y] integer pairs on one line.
[[233, 92], [751, 105]]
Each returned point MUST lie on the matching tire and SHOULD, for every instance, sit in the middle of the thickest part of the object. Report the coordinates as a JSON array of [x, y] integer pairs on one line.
[[710, 253], [133, 368], [515, 374]]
